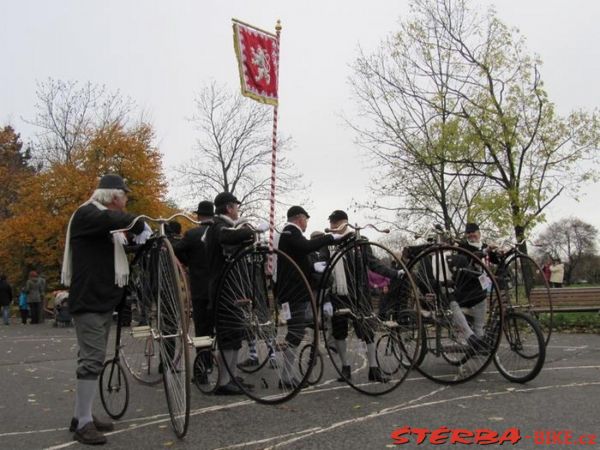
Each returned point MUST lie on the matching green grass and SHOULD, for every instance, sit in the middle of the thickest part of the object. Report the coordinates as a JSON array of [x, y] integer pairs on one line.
[[575, 322]]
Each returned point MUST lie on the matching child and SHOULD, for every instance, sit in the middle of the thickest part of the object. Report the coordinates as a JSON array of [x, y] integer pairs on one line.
[[23, 306]]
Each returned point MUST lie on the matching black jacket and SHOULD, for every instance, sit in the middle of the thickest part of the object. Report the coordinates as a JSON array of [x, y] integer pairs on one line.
[[191, 251], [297, 247], [481, 252], [5, 293], [218, 238], [93, 287]]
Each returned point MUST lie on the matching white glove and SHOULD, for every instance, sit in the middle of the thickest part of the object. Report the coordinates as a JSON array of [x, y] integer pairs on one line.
[[262, 227], [144, 235], [328, 309], [400, 273], [120, 238], [320, 266]]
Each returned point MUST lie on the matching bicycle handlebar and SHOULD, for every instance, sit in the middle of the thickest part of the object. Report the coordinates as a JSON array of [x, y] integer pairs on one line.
[[158, 220], [356, 228]]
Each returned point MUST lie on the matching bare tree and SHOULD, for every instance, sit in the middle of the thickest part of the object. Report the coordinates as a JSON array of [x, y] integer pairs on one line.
[[233, 151], [69, 113], [572, 240], [455, 94]]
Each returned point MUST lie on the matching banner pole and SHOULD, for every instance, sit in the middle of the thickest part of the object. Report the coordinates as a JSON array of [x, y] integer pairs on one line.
[[274, 156]]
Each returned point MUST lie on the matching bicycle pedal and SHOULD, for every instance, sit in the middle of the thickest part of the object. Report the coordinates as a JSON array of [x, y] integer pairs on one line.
[[391, 324], [202, 342], [343, 312], [141, 332]]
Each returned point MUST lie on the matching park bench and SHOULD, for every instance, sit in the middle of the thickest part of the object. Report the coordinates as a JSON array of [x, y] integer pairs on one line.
[[568, 299]]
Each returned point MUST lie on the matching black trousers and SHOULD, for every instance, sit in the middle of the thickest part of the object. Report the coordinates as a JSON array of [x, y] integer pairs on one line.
[[203, 317], [36, 312]]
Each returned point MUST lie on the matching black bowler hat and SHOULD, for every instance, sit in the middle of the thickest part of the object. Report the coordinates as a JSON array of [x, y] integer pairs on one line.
[[113, 181], [471, 227], [296, 210], [205, 208], [338, 214], [225, 198]]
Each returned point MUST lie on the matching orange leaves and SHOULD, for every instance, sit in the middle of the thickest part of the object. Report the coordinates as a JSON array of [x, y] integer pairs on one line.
[[34, 236]]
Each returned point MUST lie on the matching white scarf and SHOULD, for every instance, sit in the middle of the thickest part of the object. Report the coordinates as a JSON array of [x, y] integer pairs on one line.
[[339, 276], [276, 239], [119, 240]]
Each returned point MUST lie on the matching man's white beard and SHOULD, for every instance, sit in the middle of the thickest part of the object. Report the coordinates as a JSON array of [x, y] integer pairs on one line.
[[477, 244]]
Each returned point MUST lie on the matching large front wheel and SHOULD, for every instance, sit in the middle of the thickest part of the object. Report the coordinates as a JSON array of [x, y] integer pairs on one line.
[[262, 324], [172, 339], [461, 313], [372, 350]]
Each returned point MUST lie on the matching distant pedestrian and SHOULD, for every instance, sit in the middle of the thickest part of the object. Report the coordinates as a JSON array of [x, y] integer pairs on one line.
[[546, 269], [557, 273], [23, 306], [5, 299], [34, 287]]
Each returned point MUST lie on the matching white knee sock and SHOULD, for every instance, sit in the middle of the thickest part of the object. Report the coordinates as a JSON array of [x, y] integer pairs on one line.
[[479, 313], [341, 348], [232, 361], [84, 399], [371, 355], [459, 320]]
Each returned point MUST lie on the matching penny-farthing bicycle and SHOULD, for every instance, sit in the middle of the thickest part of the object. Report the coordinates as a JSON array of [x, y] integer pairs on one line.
[[257, 317], [157, 342], [370, 348]]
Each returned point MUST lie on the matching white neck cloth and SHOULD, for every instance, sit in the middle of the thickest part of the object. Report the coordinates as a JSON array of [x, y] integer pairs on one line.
[[119, 240]]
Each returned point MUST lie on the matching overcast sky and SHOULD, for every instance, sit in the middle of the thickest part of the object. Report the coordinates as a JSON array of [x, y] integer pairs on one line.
[[161, 53]]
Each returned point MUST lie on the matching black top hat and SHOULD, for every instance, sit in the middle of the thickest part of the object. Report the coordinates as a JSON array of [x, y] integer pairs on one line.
[[471, 227], [338, 214], [295, 210], [205, 208], [225, 198], [113, 181]]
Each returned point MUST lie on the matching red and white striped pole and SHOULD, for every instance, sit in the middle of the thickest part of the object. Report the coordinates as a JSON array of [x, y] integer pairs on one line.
[[274, 157]]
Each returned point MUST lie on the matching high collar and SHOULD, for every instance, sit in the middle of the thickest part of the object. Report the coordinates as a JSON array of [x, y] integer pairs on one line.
[[292, 224], [226, 219]]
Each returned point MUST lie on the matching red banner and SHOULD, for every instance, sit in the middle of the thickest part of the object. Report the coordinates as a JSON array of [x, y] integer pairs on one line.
[[257, 53]]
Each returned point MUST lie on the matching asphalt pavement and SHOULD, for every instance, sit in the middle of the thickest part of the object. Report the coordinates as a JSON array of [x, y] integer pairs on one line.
[[37, 380]]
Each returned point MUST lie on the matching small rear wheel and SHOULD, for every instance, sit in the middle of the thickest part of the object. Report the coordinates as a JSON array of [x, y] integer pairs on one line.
[[206, 371], [522, 351], [304, 361], [114, 389]]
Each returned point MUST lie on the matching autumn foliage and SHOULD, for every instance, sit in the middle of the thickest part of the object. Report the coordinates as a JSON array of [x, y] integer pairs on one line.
[[33, 235]]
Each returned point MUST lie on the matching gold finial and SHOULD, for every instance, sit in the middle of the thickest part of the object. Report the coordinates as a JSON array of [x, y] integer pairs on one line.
[[278, 26]]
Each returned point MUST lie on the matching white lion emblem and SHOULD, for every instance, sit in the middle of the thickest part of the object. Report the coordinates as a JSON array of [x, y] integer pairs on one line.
[[260, 58]]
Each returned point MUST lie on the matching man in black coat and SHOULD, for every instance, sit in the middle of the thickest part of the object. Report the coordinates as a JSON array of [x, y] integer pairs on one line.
[[290, 286], [191, 251], [96, 269], [219, 237], [341, 298], [469, 292]]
